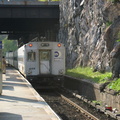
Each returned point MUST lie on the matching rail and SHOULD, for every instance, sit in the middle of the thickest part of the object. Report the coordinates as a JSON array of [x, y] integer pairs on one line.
[[29, 2], [87, 114]]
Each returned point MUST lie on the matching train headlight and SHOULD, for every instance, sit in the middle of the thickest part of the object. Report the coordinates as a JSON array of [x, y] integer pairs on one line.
[[61, 71], [30, 45], [59, 45]]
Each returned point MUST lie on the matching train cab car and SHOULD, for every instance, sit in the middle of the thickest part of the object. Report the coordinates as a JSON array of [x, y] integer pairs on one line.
[[42, 59], [9, 58]]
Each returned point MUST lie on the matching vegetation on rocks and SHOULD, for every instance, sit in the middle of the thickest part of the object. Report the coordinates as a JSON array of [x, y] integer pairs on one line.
[[115, 85]]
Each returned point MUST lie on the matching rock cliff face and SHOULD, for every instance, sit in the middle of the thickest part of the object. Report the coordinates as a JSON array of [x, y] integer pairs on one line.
[[90, 30]]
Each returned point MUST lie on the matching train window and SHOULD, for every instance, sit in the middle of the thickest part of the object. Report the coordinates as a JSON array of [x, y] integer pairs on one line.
[[45, 55], [31, 56]]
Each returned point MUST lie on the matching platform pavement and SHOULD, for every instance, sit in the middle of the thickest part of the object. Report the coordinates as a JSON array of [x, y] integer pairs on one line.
[[19, 101]]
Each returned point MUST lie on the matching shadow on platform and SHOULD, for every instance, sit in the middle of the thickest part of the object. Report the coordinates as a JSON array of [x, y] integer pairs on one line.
[[7, 116]]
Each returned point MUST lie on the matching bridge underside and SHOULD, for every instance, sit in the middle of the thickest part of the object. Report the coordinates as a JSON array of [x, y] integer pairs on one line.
[[26, 22]]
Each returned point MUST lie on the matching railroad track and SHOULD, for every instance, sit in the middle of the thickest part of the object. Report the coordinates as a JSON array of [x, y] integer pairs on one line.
[[83, 111], [55, 97], [74, 107]]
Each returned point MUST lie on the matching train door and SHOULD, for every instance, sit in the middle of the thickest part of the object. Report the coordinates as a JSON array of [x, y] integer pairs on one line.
[[45, 67]]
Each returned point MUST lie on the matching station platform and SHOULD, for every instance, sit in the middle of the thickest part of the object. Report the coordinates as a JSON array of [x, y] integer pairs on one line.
[[19, 100]]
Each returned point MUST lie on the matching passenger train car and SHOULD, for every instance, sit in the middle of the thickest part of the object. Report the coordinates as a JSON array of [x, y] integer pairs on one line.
[[39, 59]]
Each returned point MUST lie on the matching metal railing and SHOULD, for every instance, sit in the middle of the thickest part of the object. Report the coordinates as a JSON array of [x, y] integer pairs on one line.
[[29, 2]]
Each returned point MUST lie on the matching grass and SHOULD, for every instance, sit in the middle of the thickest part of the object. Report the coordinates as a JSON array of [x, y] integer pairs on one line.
[[97, 77], [115, 85], [87, 73], [118, 40]]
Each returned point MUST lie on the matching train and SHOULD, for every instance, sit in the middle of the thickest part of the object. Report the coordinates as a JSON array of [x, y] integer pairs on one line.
[[42, 60]]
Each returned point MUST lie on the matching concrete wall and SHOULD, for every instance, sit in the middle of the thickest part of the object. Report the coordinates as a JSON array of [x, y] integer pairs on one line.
[[92, 91]]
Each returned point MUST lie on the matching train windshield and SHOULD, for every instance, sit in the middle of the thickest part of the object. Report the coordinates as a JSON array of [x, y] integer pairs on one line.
[[31, 56], [45, 55]]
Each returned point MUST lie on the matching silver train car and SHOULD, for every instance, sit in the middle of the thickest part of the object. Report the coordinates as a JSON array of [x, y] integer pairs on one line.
[[39, 59], [9, 58]]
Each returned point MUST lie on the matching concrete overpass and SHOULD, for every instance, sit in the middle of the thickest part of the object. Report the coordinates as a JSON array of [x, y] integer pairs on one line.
[[26, 19]]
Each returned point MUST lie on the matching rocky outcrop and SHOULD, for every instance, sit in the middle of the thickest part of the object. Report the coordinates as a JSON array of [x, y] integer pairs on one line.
[[90, 30]]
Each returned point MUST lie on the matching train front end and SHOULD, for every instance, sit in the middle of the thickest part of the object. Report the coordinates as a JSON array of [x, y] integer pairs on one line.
[[45, 61]]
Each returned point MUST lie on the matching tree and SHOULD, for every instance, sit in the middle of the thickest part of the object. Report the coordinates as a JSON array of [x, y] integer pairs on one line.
[[9, 45]]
